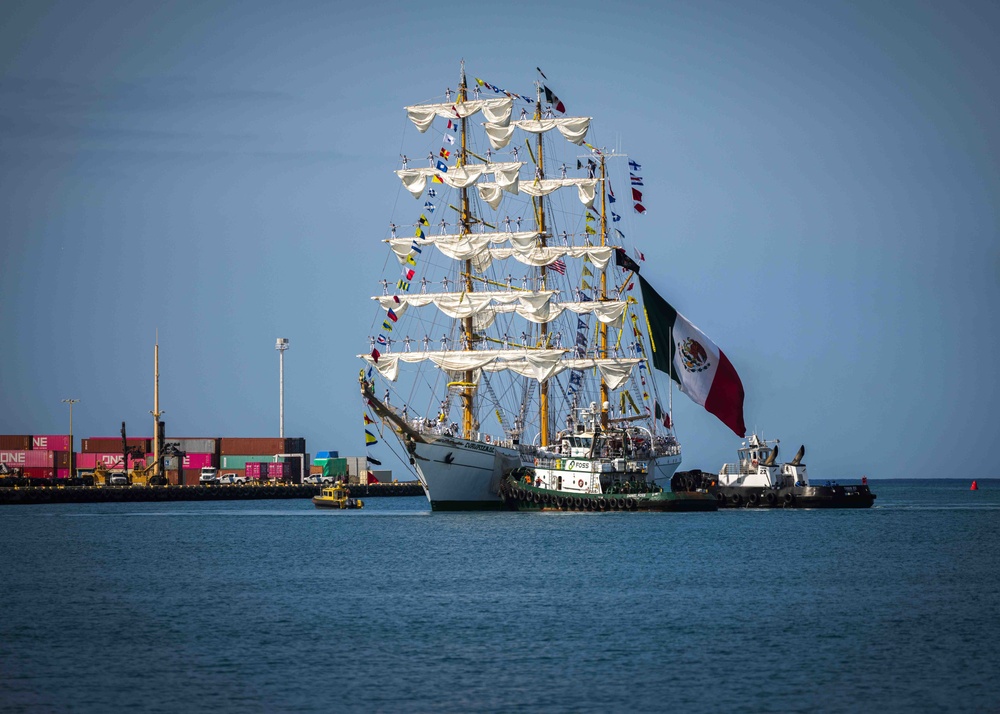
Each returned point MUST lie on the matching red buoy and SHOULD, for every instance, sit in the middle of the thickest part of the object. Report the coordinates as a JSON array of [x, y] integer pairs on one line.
[[974, 487]]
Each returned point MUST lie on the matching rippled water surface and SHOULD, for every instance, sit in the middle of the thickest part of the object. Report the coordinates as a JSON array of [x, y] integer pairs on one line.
[[275, 606]]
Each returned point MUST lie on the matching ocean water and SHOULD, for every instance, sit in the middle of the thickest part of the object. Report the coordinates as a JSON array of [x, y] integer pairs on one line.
[[276, 606]]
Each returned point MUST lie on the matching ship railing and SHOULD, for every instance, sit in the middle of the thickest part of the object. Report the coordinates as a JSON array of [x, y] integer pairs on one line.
[[731, 469]]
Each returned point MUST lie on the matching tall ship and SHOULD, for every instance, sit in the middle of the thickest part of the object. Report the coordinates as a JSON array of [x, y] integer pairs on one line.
[[510, 305]]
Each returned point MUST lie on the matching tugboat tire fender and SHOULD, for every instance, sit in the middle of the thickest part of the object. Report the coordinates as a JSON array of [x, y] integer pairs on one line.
[[578, 502], [630, 503], [789, 499], [720, 497], [735, 499], [753, 499], [771, 499]]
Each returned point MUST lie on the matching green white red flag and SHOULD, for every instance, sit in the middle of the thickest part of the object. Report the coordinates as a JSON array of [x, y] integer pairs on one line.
[[702, 370]]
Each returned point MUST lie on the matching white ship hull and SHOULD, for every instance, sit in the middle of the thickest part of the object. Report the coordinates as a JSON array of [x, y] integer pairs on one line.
[[462, 475], [665, 468]]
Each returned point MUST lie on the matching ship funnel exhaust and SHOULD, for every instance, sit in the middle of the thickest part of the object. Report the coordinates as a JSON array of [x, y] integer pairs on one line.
[[798, 455], [772, 457]]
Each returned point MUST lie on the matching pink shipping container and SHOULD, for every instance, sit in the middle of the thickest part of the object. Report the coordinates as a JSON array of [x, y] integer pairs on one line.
[[62, 473], [111, 461], [50, 443], [190, 461], [33, 459], [256, 469], [282, 469]]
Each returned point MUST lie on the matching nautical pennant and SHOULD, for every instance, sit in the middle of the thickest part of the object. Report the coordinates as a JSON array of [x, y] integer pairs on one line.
[[386, 325], [370, 438], [369, 420], [392, 315], [444, 153], [636, 194], [429, 206], [373, 460], [441, 166], [615, 217], [375, 355], [408, 273], [423, 220], [611, 194], [636, 180], [639, 208], [633, 165]]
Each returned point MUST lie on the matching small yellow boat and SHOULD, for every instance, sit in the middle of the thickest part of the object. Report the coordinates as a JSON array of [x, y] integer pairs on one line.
[[337, 496]]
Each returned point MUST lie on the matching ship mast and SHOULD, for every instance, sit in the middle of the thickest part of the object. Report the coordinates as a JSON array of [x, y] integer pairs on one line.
[[602, 330], [467, 387], [543, 392]]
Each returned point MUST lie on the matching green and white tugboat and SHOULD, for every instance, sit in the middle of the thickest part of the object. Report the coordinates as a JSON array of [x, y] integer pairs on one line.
[[595, 468]]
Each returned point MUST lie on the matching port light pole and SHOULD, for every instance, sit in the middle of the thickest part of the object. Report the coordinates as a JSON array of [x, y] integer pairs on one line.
[[281, 345], [72, 448]]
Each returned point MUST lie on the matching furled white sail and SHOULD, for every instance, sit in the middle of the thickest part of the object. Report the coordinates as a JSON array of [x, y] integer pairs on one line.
[[496, 111], [462, 305], [505, 176], [573, 128], [536, 364], [534, 306], [523, 247], [586, 188]]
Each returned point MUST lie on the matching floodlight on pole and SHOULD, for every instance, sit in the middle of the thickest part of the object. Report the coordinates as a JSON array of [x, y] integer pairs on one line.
[[281, 345], [72, 449]]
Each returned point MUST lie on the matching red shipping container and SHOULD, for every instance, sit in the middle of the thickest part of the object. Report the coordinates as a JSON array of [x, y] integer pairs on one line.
[[15, 443], [38, 472], [62, 473], [50, 443], [34, 459], [110, 444], [265, 446], [191, 476]]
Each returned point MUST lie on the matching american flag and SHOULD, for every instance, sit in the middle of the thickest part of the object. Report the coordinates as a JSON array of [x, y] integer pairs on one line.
[[559, 266]]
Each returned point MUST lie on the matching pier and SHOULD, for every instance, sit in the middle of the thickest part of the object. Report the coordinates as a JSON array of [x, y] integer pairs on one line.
[[34, 495]]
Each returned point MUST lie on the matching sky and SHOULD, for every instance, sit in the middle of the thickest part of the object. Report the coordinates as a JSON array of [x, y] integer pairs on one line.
[[822, 183]]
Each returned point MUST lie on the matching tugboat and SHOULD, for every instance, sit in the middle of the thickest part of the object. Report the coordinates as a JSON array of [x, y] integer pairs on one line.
[[337, 496], [758, 481], [596, 469]]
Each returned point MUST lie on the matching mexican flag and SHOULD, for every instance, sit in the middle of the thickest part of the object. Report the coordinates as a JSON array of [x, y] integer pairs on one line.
[[692, 360]]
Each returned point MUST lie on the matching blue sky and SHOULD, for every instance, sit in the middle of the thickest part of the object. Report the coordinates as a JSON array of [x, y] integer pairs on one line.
[[822, 182]]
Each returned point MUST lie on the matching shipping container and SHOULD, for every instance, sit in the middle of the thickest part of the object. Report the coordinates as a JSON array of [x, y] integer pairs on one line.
[[15, 443], [110, 444], [266, 446], [255, 469], [28, 458], [62, 473], [37, 472], [113, 462], [191, 461], [50, 443], [194, 445], [327, 454], [280, 470], [60, 459]]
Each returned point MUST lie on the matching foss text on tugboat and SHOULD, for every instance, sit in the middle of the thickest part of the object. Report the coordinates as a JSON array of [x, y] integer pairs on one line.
[[757, 480], [595, 468]]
